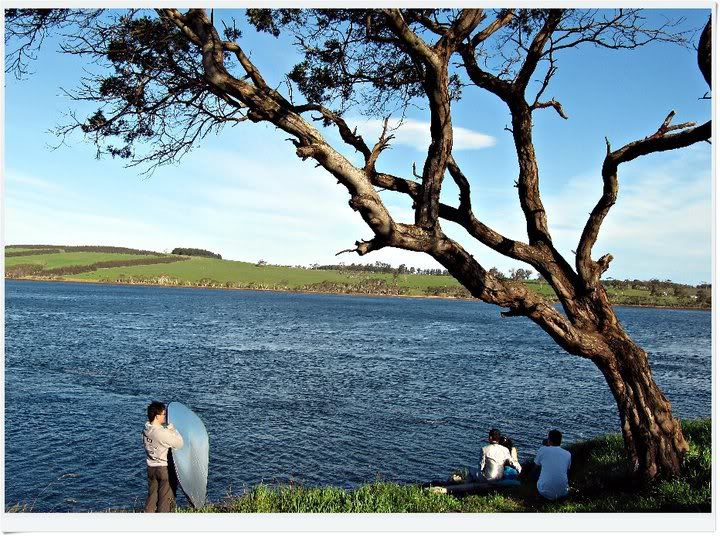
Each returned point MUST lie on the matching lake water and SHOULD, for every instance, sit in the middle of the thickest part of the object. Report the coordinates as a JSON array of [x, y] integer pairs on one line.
[[314, 389]]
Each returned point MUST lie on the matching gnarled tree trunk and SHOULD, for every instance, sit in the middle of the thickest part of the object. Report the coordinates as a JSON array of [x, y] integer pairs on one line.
[[653, 437]]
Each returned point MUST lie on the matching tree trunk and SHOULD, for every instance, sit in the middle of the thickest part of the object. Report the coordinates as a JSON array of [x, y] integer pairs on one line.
[[653, 438]]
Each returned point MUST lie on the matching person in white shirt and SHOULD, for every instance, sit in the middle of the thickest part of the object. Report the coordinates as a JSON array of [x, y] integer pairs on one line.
[[554, 463], [158, 438], [494, 457]]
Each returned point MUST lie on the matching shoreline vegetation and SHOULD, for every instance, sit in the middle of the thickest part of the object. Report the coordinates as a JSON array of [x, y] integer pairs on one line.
[[597, 480], [125, 266]]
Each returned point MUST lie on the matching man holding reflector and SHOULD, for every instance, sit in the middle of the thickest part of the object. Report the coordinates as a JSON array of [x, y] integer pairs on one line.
[[157, 439]]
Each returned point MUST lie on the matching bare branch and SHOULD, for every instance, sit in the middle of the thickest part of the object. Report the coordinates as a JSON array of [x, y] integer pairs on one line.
[[659, 141], [551, 103], [503, 18], [382, 144], [351, 137], [249, 67], [535, 51], [484, 79], [463, 185], [363, 247], [465, 24]]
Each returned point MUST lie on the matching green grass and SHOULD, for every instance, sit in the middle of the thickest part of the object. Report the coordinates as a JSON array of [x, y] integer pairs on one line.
[[597, 484], [72, 258], [222, 271]]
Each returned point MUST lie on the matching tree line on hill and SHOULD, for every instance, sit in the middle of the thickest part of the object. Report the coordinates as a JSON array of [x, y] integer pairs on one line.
[[195, 252], [379, 268], [47, 249], [701, 293], [515, 274]]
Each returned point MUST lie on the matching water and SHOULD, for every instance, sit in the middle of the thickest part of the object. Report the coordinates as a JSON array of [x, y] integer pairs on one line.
[[315, 389]]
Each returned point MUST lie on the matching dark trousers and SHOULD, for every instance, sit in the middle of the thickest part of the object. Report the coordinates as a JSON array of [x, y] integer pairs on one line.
[[160, 494]]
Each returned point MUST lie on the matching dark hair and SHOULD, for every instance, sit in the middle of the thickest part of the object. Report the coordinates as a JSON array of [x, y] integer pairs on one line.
[[506, 442], [494, 434], [555, 437], [154, 409]]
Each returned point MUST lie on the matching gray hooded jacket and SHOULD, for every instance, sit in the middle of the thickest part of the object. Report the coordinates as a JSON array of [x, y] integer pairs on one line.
[[157, 439]]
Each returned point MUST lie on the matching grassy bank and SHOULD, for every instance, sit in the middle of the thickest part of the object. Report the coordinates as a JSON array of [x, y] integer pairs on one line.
[[596, 480], [136, 267], [597, 484]]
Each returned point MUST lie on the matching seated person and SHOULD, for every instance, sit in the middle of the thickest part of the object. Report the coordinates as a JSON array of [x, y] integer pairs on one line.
[[510, 472], [554, 463], [494, 457]]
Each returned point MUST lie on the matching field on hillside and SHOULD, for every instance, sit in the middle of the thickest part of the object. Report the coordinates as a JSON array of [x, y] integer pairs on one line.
[[127, 266], [58, 260]]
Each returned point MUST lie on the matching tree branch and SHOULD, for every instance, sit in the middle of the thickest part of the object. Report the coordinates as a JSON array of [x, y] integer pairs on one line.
[[589, 270], [465, 24], [483, 79], [536, 49], [503, 18], [414, 43], [351, 137]]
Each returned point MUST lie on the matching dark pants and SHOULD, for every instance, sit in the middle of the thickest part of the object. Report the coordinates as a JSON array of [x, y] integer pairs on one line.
[[160, 494]]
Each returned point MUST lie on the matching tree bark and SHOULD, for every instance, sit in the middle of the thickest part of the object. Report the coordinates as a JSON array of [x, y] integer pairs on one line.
[[653, 438]]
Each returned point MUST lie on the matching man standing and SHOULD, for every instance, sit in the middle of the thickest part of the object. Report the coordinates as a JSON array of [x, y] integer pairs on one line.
[[157, 439], [494, 457], [554, 463]]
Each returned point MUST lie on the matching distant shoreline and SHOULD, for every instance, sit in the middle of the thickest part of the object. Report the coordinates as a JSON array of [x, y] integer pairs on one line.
[[298, 291]]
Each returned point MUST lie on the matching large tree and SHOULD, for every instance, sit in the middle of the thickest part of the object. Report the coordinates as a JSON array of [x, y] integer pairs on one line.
[[174, 76]]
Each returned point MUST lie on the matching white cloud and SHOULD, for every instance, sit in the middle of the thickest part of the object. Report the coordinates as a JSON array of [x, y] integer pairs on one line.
[[14, 178], [660, 225], [416, 134]]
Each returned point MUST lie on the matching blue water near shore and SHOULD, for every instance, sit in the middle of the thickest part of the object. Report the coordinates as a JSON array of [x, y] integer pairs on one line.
[[314, 389]]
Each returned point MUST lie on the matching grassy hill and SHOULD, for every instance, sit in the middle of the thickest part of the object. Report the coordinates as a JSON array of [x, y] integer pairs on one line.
[[102, 264]]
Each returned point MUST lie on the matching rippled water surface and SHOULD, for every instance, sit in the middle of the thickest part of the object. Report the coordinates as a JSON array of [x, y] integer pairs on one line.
[[315, 389]]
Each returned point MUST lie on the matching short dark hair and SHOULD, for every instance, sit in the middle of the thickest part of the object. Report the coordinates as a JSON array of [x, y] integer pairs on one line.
[[494, 434], [154, 409], [555, 437]]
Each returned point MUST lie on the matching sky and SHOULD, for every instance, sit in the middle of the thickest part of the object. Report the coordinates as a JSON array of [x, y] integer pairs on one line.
[[244, 193]]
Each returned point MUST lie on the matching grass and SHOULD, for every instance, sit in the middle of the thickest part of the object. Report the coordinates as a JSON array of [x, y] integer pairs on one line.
[[58, 260], [597, 484]]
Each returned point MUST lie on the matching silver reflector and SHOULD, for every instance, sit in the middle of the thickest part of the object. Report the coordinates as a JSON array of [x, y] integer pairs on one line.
[[191, 461]]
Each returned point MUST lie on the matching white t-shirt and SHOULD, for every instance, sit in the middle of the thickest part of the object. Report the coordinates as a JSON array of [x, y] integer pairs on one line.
[[493, 459], [554, 463]]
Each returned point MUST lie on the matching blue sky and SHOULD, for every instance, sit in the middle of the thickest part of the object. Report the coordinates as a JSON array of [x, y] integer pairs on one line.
[[245, 195]]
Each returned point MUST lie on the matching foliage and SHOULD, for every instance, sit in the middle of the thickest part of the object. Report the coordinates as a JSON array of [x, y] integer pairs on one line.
[[380, 267], [30, 252], [194, 252], [88, 249]]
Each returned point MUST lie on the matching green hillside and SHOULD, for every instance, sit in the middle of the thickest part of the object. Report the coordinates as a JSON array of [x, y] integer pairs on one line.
[[101, 264]]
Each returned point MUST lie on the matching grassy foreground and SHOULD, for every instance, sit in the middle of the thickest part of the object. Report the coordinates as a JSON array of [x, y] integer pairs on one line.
[[596, 480]]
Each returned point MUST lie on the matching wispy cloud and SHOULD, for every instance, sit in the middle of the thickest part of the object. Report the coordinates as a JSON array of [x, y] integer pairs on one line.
[[14, 177], [661, 223], [416, 134]]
